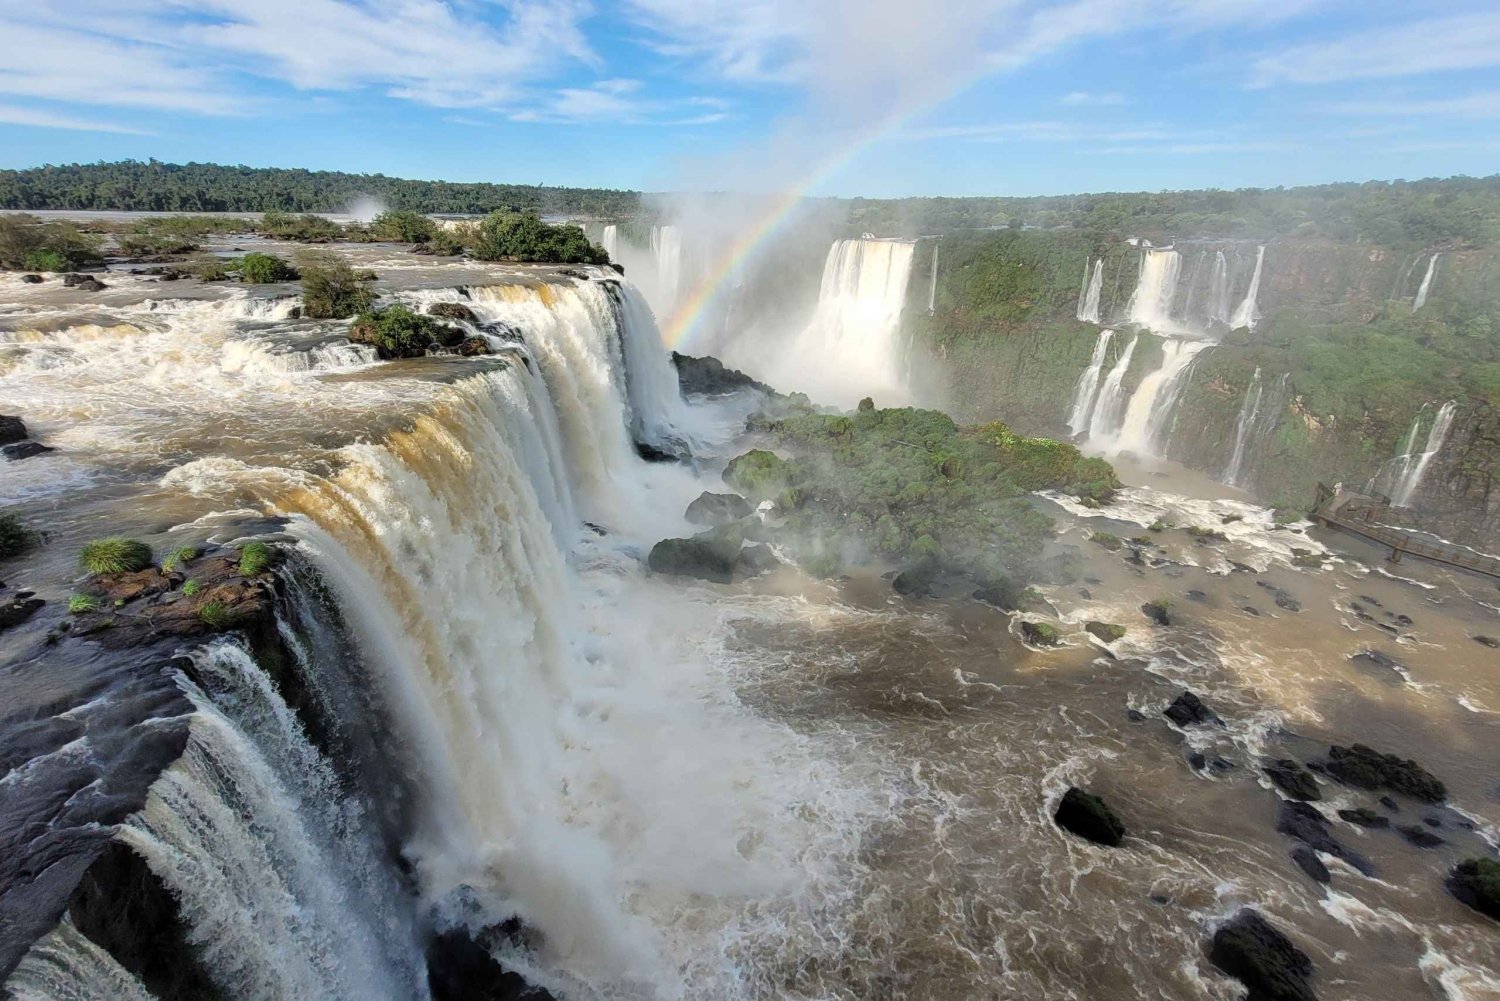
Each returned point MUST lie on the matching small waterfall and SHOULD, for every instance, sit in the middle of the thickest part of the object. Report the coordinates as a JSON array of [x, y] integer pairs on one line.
[[610, 241], [1151, 405], [1155, 289], [1242, 428], [66, 966], [1088, 384], [1218, 291], [1405, 471], [1426, 286], [1111, 396], [666, 250], [852, 346], [1260, 415], [932, 286], [1245, 314], [1088, 296]]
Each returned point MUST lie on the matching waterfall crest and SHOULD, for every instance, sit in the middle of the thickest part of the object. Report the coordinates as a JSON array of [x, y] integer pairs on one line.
[[1088, 385], [609, 239], [1155, 289], [66, 966], [666, 250], [1088, 296], [1426, 286]]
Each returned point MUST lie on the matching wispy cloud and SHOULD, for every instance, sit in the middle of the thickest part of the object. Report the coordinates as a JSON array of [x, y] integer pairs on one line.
[[1082, 98], [1482, 104], [12, 115], [1197, 149], [620, 102], [1461, 42]]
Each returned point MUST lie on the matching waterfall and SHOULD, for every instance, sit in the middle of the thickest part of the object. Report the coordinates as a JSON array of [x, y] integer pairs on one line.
[[66, 966], [1218, 291], [1088, 384], [1260, 415], [610, 241], [932, 286], [1111, 396], [1242, 427], [1088, 296], [666, 250], [1245, 314], [1405, 471], [852, 346], [1151, 404], [1155, 289], [1426, 286]]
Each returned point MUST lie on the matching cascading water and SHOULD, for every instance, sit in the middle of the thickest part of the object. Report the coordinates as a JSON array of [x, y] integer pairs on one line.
[[1088, 296], [852, 346], [1088, 385], [1426, 286], [1402, 476], [666, 251], [1245, 315], [1260, 415], [610, 241], [1218, 291], [932, 284], [67, 966], [1151, 404], [1242, 428], [1111, 396], [1155, 289]]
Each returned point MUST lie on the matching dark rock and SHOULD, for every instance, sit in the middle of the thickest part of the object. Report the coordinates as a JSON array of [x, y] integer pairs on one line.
[[1188, 710], [1197, 761], [1367, 599], [1251, 950], [472, 347], [32, 279], [1294, 780], [1000, 596], [12, 429], [1432, 821], [461, 969], [1039, 633], [24, 450], [1365, 817], [717, 509], [1381, 664], [18, 610], [708, 377], [1287, 602], [708, 556], [1489, 641], [1157, 611], [453, 311], [1476, 883], [1420, 836], [1308, 861], [1109, 632], [652, 452], [1390, 804], [1159, 898], [1404, 621], [1303, 822], [1135, 715], [1198, 596], [1221, 765], [757, 559], [1089, 817], [1366, 768]]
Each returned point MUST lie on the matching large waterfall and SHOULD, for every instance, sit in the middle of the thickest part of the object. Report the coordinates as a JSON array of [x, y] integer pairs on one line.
[[852, 347], [1088, 296], [609, 239], [1426, 286], [1103, 421], [1218, 290], [666, 251], [1088, 385], [1155, 290], [1151, 404]]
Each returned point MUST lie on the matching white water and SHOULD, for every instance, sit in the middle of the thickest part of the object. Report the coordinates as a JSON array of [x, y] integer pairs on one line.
[[1260, 415], [1111, 396], [1151, 404], [610, 241], [1245, 315], [1155, 287], [1405, 472], [666, 251], [66, 966], [1242, 428], [1426, 286], [932, 286], [852, 346], [1088, 296], [1218, 290], [1088, 385]]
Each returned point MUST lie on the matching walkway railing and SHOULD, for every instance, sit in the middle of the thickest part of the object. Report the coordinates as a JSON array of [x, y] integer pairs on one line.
[[1364, 516]]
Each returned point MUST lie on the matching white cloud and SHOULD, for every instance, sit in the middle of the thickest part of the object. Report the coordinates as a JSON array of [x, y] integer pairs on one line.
[[12, 115], [616, 101], [1079, 98], [1468, 41], [1482, 104]]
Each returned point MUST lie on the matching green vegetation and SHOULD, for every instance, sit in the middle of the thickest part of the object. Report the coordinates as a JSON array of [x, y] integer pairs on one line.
[[522, 236], [255, 557], [403, 227], [330, 288], [27, 243], [81, 603], [305, 228], [1206, 534], [265, 269], [397, 332], [114, 554], [215, 615], [15, 537], [1039, 633], [190, 587], [1109, 632], [913, 487], [177, 557]]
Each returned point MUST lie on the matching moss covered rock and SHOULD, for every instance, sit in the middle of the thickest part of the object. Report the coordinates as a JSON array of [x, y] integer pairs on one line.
[[1109, 632], [1476, 882], [1250, 949], [1089, 817], [710, 556], [1368, 768]]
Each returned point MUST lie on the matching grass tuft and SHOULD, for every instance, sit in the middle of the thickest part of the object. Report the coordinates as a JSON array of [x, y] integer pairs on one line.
[[254, 558], [80, 603], [215, 614], [114, 555]]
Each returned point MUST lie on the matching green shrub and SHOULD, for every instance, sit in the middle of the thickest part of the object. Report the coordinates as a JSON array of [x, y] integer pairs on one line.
[[114, 554], [15, 537], [149, 244], [265, 269], [330, 288], [522, 236], [209, 268], [1108, 540], [285, 226], [80, 603], [215, 614], [254, 558], [27, 242], [177, 557], [444, 243], [403, 227], [397, 332], [45, 260], [190, 587]]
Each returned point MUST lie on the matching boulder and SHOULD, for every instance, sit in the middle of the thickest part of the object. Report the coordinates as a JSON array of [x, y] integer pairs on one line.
[[18, 610], [1364, 817], [459, 968], [32, 279], [710, 556], [1307, 860], [453, 311], [1420, 836], [1158, 611], [1294, 780], [708, 377], [1476, 883], [24, 450], [717, 509], [1307, 825], [12, 429], [1108, 632], [757, 559], [1382, 665], [1039, 633], [1251, 950], [471, 347], [1367, 768], [1089, 817], [1489, 641], [1188, 710]]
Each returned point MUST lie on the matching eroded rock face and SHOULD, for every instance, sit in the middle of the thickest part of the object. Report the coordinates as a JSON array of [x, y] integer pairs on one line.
[[708, 377], [1251, 949], [1089, 817], [1294, 780], [459, 968], [1368, 768], [453, 311]]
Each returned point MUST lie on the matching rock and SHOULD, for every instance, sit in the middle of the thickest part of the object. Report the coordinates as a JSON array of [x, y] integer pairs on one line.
[[1109, 632], [1089, 817], [1308, 861], [717, 509], [24, 450], [471, 347], [1135, 715], [32, 279], [1197, 761], [708, 556], [708, 377], [1039, 633], [1199, 596], [1489, 641], [84, 283], [459, 968], [453, 311], [1367, 768], [1306, 824], [1364, 817], [1294, 780], [1251, 610], [1390, 804], [916, 582], [18, 610], [1420, 836], [1476, 883], [757, 559], [654, 453], [1382, 665], [12, 429], [1251, 950], [1188, 710], [1158, 611]]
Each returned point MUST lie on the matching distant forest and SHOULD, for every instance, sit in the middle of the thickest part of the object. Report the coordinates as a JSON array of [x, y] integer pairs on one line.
[[1434, 213]]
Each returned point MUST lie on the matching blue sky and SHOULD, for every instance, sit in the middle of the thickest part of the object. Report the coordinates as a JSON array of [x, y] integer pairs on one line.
[[863, 97]]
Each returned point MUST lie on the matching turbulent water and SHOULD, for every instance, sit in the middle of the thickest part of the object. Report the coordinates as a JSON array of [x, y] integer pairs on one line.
[[784, 788], [1087, 390]]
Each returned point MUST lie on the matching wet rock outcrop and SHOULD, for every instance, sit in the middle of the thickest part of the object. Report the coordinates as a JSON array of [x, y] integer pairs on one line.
[[1251, 950], [1367, 768], [711, 555], [1294, 780], [1188, 710], [1089, 817], [1306, 824], [709, 377], [1476, 882], [717, 509]]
